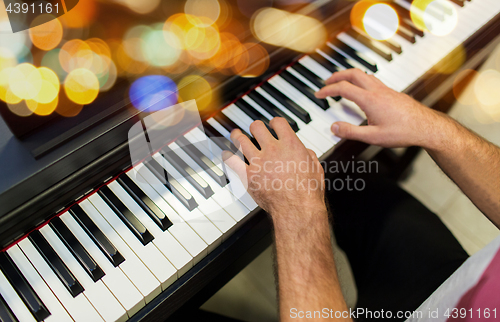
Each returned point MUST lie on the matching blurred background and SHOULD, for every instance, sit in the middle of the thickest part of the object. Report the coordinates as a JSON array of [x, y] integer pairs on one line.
[[179, 50]]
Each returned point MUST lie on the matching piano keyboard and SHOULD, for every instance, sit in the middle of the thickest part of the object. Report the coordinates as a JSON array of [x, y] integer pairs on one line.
[[112, 253]]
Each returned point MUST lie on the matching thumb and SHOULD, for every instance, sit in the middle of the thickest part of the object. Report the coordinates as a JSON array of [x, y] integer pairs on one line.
[[236, 164], [348, 131]]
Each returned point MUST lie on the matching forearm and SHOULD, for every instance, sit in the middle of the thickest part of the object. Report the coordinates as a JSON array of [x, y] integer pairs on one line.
[[306, 269], [471, 162]]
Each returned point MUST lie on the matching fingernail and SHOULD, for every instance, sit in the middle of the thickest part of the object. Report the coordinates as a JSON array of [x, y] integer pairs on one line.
[[317, 94], [335, 129]]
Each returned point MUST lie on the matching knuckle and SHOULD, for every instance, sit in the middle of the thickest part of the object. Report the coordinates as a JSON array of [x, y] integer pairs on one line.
[[358, 72], [345, 131], [343, 87]]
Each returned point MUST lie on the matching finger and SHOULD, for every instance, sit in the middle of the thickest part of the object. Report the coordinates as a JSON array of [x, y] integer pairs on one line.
[[261, 133], [353, 75], [282, 128], [312, 154], [367, 134], [346, 90], [243, 143], [236, 164]]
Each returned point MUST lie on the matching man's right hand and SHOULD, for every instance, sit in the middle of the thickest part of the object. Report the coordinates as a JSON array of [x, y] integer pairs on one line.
[[394, 119]]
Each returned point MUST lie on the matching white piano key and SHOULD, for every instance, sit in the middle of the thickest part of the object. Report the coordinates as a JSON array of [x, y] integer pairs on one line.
[[78, 307], [180, 230], [311, 64], [222, 130], [304, 134], [170, 248], [200, 224], [152, 258], [218, 216], [214, 153], [115, 280], [257, 107], [13, 300], [238, 117], [403, 73], [317, 126], [222, 195], [98, 295], [383, 78], [57, 311], [137, 272], [337, 112]]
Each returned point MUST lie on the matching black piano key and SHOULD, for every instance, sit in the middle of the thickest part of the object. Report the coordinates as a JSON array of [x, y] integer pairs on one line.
[[96, 235], [408, 24], [177, 190], [229, 125], [250, 111], [353, 55], [392, 45], [23, 288], [310, 76], [128, 218], [203, 161], [56, 264], [187, 172], [461, 3], [293, 107], [6, 314], [83, 257], [304, 89], [313, 78], [271, 109], [145, 202], [370, 43], [324, 62], [336, 56], [254, 114], [406, 34]]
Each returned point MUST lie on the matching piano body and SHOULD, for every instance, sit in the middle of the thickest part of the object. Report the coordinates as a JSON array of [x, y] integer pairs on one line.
[[88, 237]]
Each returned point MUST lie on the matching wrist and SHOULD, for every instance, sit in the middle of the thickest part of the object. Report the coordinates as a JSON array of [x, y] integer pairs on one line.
[[294, 219], [440, 133]]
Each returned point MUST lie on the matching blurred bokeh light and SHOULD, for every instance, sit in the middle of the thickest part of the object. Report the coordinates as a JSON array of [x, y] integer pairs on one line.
[[153, 93], [439, 17], [486, 88], [66, 63], [207, 11], [281, 28], [81, 86], [48, 35], [197, 88]]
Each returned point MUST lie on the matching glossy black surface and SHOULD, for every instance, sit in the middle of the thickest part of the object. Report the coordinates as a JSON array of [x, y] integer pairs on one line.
[[145, 202], [128, 218], [304, 89], [293, 107], [6, 314], [83, 257], [204, 162], [177, 190], [271, 109], [56, 264], [96, 235], [22, 287]]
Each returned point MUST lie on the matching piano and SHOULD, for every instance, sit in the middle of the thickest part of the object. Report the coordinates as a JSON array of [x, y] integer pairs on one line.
[[88, 236]]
